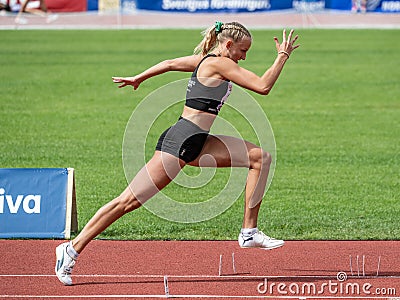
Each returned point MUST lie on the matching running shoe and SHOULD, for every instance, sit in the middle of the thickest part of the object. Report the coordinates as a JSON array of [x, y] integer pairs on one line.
[[259, 240], [64, 264]]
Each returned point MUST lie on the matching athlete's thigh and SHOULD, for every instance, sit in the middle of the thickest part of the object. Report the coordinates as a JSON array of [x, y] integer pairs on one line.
[[224, 151], [163, 167], [159, 171]]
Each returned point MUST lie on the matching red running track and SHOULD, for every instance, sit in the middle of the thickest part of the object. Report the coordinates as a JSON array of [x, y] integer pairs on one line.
[[139, 269]]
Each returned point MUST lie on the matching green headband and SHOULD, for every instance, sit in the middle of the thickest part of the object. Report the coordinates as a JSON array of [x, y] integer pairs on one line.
[[218, 27]]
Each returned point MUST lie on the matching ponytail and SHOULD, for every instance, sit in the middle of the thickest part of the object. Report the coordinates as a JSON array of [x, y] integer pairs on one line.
[[218, 33], [208, 43]]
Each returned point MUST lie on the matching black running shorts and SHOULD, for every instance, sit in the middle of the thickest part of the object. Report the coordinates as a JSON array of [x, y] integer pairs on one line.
[[184, 140]]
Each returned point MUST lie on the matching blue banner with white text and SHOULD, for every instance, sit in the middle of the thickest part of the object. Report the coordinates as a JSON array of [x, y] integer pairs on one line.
[[33, 203], [206, 6], [216, 6], [386, 6], [210, 5]]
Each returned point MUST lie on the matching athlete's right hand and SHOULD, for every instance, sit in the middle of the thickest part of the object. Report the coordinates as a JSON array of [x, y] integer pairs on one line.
[[133, 81]]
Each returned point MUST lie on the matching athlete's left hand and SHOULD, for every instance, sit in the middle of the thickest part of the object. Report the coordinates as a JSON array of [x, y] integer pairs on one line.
[[288, 44]]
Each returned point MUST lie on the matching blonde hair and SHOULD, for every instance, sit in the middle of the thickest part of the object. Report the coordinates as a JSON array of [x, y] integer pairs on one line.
[[212, 36]]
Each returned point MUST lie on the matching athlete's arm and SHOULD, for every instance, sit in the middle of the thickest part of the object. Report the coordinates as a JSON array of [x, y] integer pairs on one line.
[[247, 79], [182, 64]]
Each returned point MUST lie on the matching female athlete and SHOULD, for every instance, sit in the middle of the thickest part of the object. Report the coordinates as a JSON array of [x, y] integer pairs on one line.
[[214, 68]]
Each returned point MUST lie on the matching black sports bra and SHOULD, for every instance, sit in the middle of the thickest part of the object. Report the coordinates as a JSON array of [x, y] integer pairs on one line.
[[206, 98]]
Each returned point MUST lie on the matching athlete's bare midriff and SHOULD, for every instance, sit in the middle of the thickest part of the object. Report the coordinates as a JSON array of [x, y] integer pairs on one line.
[[202, 119]]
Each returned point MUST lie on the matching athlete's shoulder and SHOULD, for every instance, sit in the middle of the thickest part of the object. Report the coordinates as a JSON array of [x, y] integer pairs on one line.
[[221, 64], [219, 60]]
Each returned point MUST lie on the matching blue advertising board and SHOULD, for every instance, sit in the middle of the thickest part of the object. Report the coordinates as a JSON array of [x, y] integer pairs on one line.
[[386, 6], [383, 6], [216, 6], [36, 203], [203, 6], [309, 5]]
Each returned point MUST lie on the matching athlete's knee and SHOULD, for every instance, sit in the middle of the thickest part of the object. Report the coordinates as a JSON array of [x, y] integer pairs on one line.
[[127, 202], [259, 159]]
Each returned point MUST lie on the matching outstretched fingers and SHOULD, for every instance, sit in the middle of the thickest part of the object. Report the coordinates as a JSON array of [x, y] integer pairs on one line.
[[284, 36], [276, 43], [294, 41], [119, 80], [288, 42], [290, 35], [123, 80]]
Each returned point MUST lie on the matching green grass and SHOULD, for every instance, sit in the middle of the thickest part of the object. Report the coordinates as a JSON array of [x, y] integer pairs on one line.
[[335, 112]]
